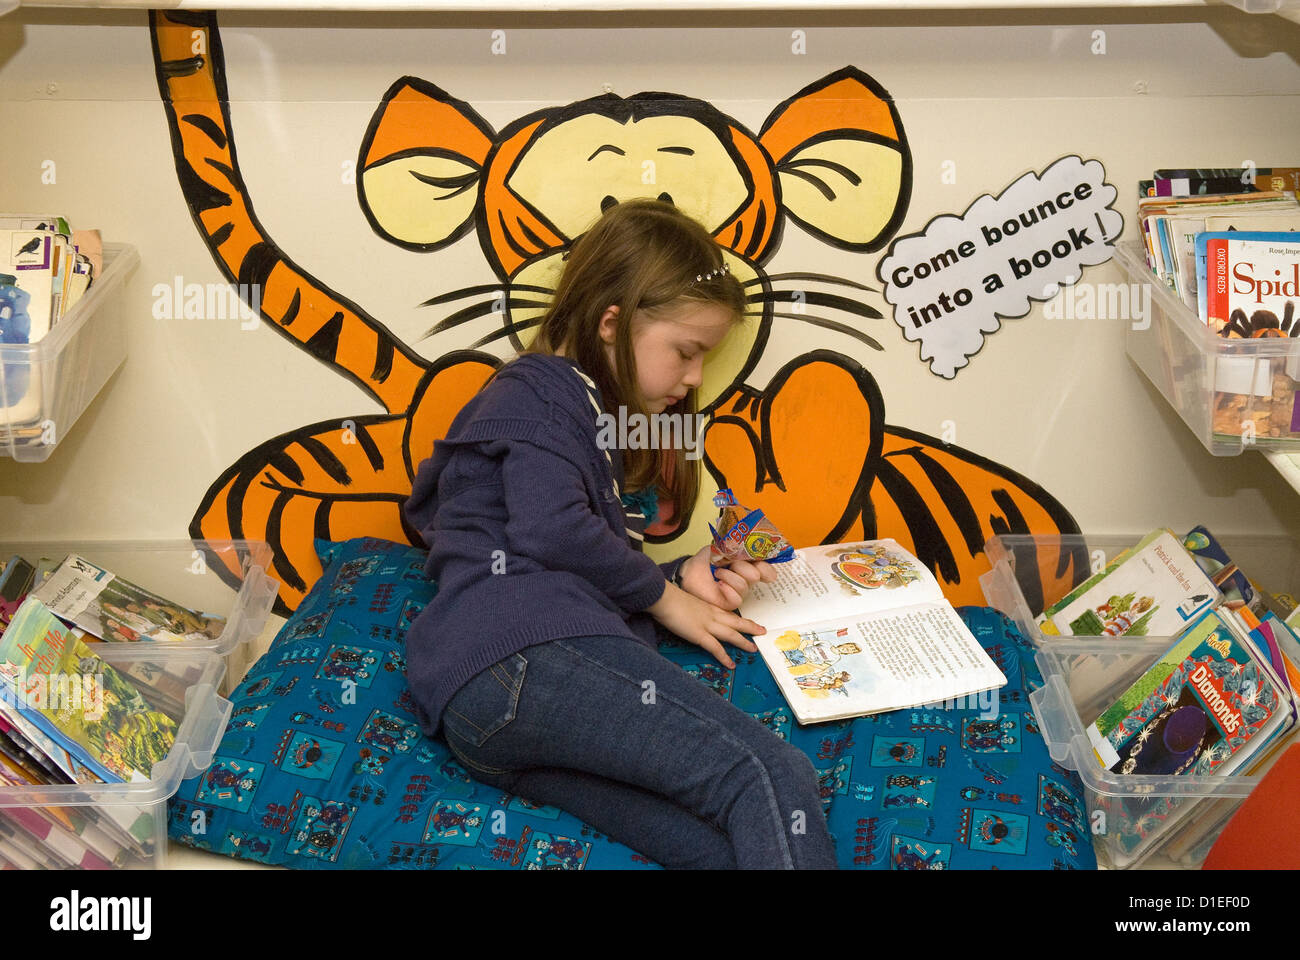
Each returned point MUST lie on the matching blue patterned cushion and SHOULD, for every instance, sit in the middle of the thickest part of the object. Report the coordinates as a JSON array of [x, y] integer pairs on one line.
[[323, 763], [954, 789]]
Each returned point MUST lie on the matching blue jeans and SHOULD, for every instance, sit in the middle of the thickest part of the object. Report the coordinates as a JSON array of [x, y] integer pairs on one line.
[[632, 744]]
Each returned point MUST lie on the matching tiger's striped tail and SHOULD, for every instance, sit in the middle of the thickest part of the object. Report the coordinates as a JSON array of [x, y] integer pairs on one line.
[[190, 68]]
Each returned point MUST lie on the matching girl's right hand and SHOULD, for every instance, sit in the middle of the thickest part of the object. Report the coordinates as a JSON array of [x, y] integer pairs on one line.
[[703, 624]]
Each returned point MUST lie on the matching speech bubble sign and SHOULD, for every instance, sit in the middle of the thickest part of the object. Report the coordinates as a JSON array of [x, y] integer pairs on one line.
[[950, 283]]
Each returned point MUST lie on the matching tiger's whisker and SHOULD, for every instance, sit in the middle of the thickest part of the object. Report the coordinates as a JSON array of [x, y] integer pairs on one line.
[[474, 312], [464, 292], [507, 331], [853, 332], [824, 278], [817, 298]]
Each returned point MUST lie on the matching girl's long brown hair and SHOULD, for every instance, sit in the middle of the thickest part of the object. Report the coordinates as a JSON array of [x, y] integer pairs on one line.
[[642, 256]]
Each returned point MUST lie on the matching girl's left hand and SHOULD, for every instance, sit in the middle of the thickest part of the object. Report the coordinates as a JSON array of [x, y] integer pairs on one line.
[[732, 582]]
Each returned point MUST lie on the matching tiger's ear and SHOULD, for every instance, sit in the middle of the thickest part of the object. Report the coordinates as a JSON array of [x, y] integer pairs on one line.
[[842, 159], [419, 165]]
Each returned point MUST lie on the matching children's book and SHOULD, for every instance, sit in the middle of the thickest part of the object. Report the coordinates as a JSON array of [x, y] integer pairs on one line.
[[1200, 834], [115, 609], [56, 839], [21, 729], [1204, 708], [1044, 620], [1183, 232], [1203, 238], [75, 697], [1153, 211], [1234, 586], [1255, 272], [863, 627], [1155, 589]]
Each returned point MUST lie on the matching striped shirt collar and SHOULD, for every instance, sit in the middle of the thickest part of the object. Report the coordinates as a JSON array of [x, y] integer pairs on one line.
[[634, 517]]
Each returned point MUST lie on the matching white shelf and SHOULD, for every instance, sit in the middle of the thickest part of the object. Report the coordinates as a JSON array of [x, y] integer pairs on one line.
[[1286, 8]]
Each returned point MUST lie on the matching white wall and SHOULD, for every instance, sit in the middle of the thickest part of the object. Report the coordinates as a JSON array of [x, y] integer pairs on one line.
[[996, 93]]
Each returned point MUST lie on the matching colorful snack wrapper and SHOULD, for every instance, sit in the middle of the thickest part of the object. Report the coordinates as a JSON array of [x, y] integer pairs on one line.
[[745, 533]]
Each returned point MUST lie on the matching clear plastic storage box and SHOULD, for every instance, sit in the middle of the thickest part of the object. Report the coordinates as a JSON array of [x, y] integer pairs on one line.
[[122, 825], [188, 572], [1234, 394], [1174, 819], [45, 386]]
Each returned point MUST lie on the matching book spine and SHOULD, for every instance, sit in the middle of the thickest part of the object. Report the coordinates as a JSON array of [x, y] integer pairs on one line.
[[56, 841], [1216, 282]]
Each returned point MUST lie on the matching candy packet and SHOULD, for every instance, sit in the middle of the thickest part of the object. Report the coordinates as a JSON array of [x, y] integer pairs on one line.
[[745, 533]]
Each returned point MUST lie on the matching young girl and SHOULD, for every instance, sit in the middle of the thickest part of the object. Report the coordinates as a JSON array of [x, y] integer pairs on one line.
[[537, 660]]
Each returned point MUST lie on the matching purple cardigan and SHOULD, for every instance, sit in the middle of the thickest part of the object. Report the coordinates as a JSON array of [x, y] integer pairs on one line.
[[528, 540]]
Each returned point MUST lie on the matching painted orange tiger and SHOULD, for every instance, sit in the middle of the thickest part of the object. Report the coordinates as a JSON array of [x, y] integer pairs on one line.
[[811, 448]]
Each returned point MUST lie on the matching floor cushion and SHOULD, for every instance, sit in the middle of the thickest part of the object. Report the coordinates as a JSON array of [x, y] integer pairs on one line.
[[323, 764]]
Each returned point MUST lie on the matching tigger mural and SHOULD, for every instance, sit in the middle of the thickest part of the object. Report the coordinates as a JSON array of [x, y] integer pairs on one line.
[[811, 447]]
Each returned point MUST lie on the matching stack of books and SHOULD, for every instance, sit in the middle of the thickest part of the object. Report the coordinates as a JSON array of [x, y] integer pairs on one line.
[[69, 717], [45, 268], [1220, 700], [110, 608], [1227, 244]]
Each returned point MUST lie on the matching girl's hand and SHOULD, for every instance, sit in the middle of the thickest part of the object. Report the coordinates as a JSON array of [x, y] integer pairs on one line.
[[728, 590], [703, 624]]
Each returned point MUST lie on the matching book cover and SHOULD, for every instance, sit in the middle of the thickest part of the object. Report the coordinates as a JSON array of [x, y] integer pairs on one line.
[[80, 700], [1155, 591], [1196, 712], [860, 628], [115, 609], [1044, 620], [1192, 180], [1202, 240], [1234, 586], [1251, 284], [20, 727]]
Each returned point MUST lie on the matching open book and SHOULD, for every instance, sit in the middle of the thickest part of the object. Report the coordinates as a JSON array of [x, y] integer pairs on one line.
[[858, 628]]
